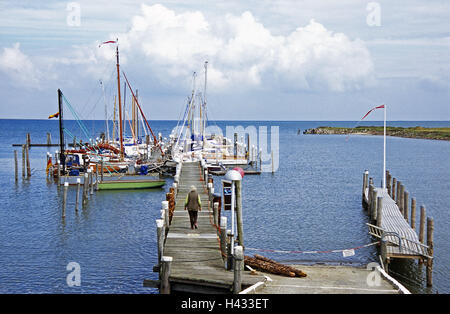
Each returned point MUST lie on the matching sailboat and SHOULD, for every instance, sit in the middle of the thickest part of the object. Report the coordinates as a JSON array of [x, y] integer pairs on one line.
[[190, 141], [109, 156]]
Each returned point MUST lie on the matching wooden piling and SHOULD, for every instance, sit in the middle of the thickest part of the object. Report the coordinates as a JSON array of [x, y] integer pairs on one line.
[[223, 237], [394, 186], [423, 213], [373, 207], [85, 188], [23, 161], [27, 153], [365, 182], [397, 195], [238, 266], [413, 213], [430, 231], [388, 182], [66, 187], [91, 182], [239, 218], [369, 198], [400, 197], [159, 238], [28, 140], [379, 215], [49, 139], [16, 167], [96, 177], [77, 197], [229, 256], [405, 205], [165, 207], [101, 170], [166, 262], [216, 213]]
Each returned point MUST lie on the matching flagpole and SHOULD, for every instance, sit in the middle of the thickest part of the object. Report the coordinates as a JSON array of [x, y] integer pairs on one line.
[[384, 150]]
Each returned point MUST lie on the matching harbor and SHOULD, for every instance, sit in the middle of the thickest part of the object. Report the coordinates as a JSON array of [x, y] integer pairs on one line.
[[225, 156]]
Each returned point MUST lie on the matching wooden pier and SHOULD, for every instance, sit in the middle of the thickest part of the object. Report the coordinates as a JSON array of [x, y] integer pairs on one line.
[[388, 210], [194, 260]]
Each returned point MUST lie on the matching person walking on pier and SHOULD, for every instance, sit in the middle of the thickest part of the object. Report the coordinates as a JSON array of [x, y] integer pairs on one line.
[[193, 205]]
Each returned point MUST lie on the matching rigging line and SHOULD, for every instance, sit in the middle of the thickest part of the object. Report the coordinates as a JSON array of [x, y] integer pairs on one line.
[[94, 153], [94, 89]]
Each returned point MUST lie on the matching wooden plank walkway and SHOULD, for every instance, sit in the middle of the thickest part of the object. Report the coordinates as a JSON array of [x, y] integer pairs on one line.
[[393, 221], [197, 264]]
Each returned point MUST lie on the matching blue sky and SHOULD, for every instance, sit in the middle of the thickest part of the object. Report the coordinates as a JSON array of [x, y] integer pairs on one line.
[[268, 60]]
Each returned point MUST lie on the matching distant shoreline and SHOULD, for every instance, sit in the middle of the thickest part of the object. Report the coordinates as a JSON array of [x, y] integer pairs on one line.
[[410, 132]]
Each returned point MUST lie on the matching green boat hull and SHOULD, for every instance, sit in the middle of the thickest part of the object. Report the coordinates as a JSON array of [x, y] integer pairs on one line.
[[130, 185]]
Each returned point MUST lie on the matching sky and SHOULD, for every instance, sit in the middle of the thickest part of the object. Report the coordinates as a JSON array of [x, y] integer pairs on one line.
[[267, 60]]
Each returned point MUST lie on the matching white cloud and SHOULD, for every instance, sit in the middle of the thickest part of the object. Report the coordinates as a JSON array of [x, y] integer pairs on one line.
[[18, 66], [242, 52]]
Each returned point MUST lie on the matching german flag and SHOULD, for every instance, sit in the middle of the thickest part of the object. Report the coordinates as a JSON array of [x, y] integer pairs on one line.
[[56, 115]]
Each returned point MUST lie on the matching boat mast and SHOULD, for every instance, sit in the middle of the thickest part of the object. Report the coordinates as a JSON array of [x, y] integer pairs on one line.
[[204, 102], [106, 112], [62, 157], [120, 105]]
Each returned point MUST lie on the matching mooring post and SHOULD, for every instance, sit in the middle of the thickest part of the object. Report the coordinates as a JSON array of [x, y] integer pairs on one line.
[[373, 212], [397, 195], [27, 150], [101, 170], [223, 237], [229, 256], [166, 262], [159, 238], [216, 213], [23, 161], [388, 182], [405, 205], [66, 187], [165, 207], [28, 140], [91, 182], [430, 230], [271, 159], [400, 197], [369, 198], [96, 176], [413, 213], [16, 166], [379, 210], [49, 139], [365, 183], [423, 213], [77, 197], [239, 218], [394, 186], [238, 267], [85, 187]]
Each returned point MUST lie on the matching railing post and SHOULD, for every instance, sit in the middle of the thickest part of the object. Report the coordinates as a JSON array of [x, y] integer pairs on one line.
[[238, 266]]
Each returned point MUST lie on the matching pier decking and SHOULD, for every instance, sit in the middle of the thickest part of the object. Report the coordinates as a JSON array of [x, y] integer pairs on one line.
[[389, 212], [197, 264]]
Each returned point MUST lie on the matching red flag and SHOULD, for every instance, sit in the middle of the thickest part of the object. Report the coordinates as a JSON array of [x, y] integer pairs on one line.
[[379, 107], [108, 42]]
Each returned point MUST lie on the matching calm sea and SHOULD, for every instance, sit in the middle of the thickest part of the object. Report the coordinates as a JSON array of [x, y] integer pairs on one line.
[[311, 203]]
